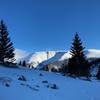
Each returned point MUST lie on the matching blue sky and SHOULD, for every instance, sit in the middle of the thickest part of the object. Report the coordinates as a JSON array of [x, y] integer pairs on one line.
[[37, 25]]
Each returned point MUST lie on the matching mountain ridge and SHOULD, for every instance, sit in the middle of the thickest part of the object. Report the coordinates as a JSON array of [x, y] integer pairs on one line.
[[36, 58]]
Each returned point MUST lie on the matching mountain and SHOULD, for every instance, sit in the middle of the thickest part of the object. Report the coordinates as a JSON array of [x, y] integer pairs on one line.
[[19, 54], [93, 53], [47, 57], [33, 58]]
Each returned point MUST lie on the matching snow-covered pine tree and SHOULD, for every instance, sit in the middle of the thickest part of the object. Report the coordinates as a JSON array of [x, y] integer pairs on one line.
[[78, 64], [6, 46]]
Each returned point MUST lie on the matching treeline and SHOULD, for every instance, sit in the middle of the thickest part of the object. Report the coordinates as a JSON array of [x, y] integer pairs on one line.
[[25, 64]]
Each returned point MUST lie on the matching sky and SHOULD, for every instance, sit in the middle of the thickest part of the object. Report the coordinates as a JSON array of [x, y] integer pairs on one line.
[[41, 25]]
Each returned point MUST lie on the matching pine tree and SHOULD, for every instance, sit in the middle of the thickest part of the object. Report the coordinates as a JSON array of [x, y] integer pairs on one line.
[[6, 46], [78, 64]]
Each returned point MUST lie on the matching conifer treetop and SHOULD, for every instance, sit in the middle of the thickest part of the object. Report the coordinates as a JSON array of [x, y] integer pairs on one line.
[[77, 48]]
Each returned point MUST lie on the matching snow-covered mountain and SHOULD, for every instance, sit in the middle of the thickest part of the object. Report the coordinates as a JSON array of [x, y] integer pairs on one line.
[[33, 58], [19, 54], [49, 56], [93, 53]]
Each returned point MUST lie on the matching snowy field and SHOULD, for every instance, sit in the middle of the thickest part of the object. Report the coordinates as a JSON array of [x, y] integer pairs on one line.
[[38, 85]]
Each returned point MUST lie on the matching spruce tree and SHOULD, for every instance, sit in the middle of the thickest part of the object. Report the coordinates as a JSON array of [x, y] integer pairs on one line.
[[78, 64], [6, 46]]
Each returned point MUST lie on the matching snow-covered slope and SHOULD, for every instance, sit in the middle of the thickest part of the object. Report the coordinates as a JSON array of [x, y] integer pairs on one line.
[[40, 86], [93, 53], [59, 56], [38, 57], [33, 58], [49, 56], [19, 54]]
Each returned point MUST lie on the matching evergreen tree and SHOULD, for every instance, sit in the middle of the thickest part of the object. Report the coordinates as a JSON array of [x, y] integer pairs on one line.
[[24, 63], [78, 65], [20, 63], [6, 46], [98, 74]]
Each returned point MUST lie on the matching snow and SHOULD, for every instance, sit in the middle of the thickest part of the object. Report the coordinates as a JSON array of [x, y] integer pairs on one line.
[[19, 54], [38, 84], [38, 57], [49, 56], [33, 58], [93, 53], [59, 56], [34, 88]]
